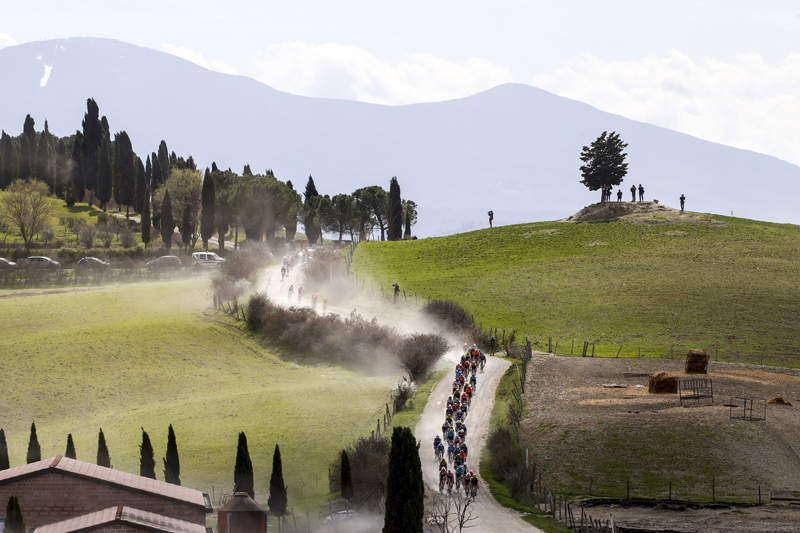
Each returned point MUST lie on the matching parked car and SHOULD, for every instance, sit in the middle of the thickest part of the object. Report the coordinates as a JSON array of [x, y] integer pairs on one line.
[[93, 262], [340, 516], [40, 261], [206, 259], [5, 264], [165, 262]]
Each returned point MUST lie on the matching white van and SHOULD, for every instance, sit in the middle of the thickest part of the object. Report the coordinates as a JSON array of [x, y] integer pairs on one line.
[[206, 259]]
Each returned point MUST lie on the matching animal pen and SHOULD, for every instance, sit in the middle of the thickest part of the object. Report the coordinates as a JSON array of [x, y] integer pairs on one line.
[[696, 389], [748, 408]]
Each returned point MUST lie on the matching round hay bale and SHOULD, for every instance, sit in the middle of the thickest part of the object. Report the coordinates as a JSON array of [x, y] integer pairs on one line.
[[696, 361], [778, 400], [663, 383]]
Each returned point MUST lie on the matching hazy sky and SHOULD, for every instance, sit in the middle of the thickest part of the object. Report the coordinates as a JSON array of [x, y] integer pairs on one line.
[[727, 71]]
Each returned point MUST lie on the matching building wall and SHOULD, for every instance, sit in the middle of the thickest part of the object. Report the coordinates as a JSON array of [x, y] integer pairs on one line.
[[52, 496]]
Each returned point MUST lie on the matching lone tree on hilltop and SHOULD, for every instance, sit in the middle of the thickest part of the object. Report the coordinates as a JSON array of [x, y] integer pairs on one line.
[[147, 460], [243, 469], [172, 463], [14, 521], [604, 161], [70, 453], [277, 490], [103, 458], [34, 450], [4, 462], [395, 212], [405, 491]]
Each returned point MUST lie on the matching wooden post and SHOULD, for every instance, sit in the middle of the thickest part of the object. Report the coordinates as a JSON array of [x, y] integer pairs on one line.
[[670, 490], [592, 349], [620, 350], [713, 489], [759, 495], [591, 481], [628, 490], [571, 350]]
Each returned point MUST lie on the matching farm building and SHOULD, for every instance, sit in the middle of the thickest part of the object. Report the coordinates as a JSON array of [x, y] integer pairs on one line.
[[63, 492]]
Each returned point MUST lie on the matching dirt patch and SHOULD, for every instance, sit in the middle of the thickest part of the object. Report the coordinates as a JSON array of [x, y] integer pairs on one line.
[[582, 433], [596, 243], [675, 233], [41, 293]]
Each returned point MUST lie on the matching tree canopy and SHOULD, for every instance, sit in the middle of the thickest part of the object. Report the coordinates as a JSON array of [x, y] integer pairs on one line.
[[604, 161]]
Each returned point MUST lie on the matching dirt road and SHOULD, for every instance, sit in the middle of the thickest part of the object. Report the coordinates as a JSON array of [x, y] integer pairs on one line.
[[491, 516]]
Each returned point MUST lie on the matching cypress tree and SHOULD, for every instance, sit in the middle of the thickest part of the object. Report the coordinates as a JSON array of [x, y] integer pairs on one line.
[[163, 160], [34, 450], [186, 227], [62, 177], [92, 139], [4, 462], [44, 162], [395, 230], [146, 223], [209, 208], [25, 167], [14, 521], [346, 479], [277, 490], [70, 453], [148, 173], [8, 173], [172, 462], [147, 460], [29, 131], [243, 470], [104, 174], [405, 491], [124, 171], [141, 185], [103, 458], [310, 207], [157, 177], [167, 224], [78, 188]]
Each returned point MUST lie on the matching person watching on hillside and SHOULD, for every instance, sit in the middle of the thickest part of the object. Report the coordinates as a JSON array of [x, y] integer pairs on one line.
[[619, 195], [633, 193], [396, 292], [641, 192], [683, 199], [491, 218]]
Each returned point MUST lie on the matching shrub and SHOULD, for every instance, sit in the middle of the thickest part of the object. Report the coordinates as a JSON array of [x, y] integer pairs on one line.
[[418, 353], [455, 318], [369, 467], [507, 464], [86, 233], [402, 391], [128, 237]]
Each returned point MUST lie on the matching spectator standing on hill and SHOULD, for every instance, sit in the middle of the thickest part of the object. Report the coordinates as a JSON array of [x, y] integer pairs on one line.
[[396, 292], [619, 195], [641, 192], [491, 217], [633, 193], [683, 199]]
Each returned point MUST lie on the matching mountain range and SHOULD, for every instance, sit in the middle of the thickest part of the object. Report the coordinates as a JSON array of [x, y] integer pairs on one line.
[[513, 149]]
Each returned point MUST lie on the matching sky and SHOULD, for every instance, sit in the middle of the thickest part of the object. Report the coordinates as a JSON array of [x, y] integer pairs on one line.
[[726, 71]]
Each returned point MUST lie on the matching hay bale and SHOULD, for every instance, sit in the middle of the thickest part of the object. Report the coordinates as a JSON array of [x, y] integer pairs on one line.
[[697, 361], [778, 400], [663, 383]]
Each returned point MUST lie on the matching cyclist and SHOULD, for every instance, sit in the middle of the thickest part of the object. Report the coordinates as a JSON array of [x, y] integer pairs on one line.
[[299, 294], [468, 392], [291, 291], [450, 481], [314, 299], [474, 485], [283, 272], [374, 321], [443, 463], [473, 381], [324, 303], [436, 441], [442, 477], [451, 434], [459, 476], [464, 450], [449, 400], [353, 314], [451, 451]]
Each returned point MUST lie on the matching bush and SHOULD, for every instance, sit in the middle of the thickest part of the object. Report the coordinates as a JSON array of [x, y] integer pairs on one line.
[[455, 318], [418, 353], [369, 467], [86, 233], [507, 465], [227, 289], [127, 237], [402, 391]]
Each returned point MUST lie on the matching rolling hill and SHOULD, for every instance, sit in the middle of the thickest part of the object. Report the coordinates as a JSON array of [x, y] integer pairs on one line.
[[513, 149]]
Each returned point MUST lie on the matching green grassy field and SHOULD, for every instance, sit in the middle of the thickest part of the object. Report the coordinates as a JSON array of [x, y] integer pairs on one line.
[[150, 354], [725, 284]]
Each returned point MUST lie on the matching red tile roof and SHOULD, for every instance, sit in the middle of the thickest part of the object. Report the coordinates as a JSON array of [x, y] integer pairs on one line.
[[122, 515], [102, 474]]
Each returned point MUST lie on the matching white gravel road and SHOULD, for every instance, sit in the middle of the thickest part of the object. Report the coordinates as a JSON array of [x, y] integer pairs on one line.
[[490, 515]]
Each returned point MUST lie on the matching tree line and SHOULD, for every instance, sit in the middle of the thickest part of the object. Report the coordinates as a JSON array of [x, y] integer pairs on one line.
[[170, 192]]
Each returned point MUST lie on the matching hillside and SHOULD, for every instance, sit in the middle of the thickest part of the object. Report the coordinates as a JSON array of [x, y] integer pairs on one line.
[[513, 149], [151, 354], [648, 280]]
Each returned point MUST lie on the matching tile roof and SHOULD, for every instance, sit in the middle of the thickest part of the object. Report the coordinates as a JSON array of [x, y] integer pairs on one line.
[[122, 515], [105, 475]]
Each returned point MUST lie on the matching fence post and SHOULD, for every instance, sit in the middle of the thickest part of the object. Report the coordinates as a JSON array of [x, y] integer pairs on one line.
[[571, 350], [620, 349], [713, 489]]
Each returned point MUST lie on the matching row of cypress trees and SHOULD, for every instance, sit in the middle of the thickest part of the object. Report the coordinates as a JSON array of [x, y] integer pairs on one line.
[[243, 477], [147, 463]]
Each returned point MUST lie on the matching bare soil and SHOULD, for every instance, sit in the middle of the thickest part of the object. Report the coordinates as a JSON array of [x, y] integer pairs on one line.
[[592, 426]]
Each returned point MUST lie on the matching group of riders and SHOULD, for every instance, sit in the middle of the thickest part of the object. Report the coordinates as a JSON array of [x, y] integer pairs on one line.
[[451, 448], [314, 298]]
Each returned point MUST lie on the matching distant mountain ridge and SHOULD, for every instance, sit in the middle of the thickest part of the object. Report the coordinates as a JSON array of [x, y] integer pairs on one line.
[[513, 149]]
